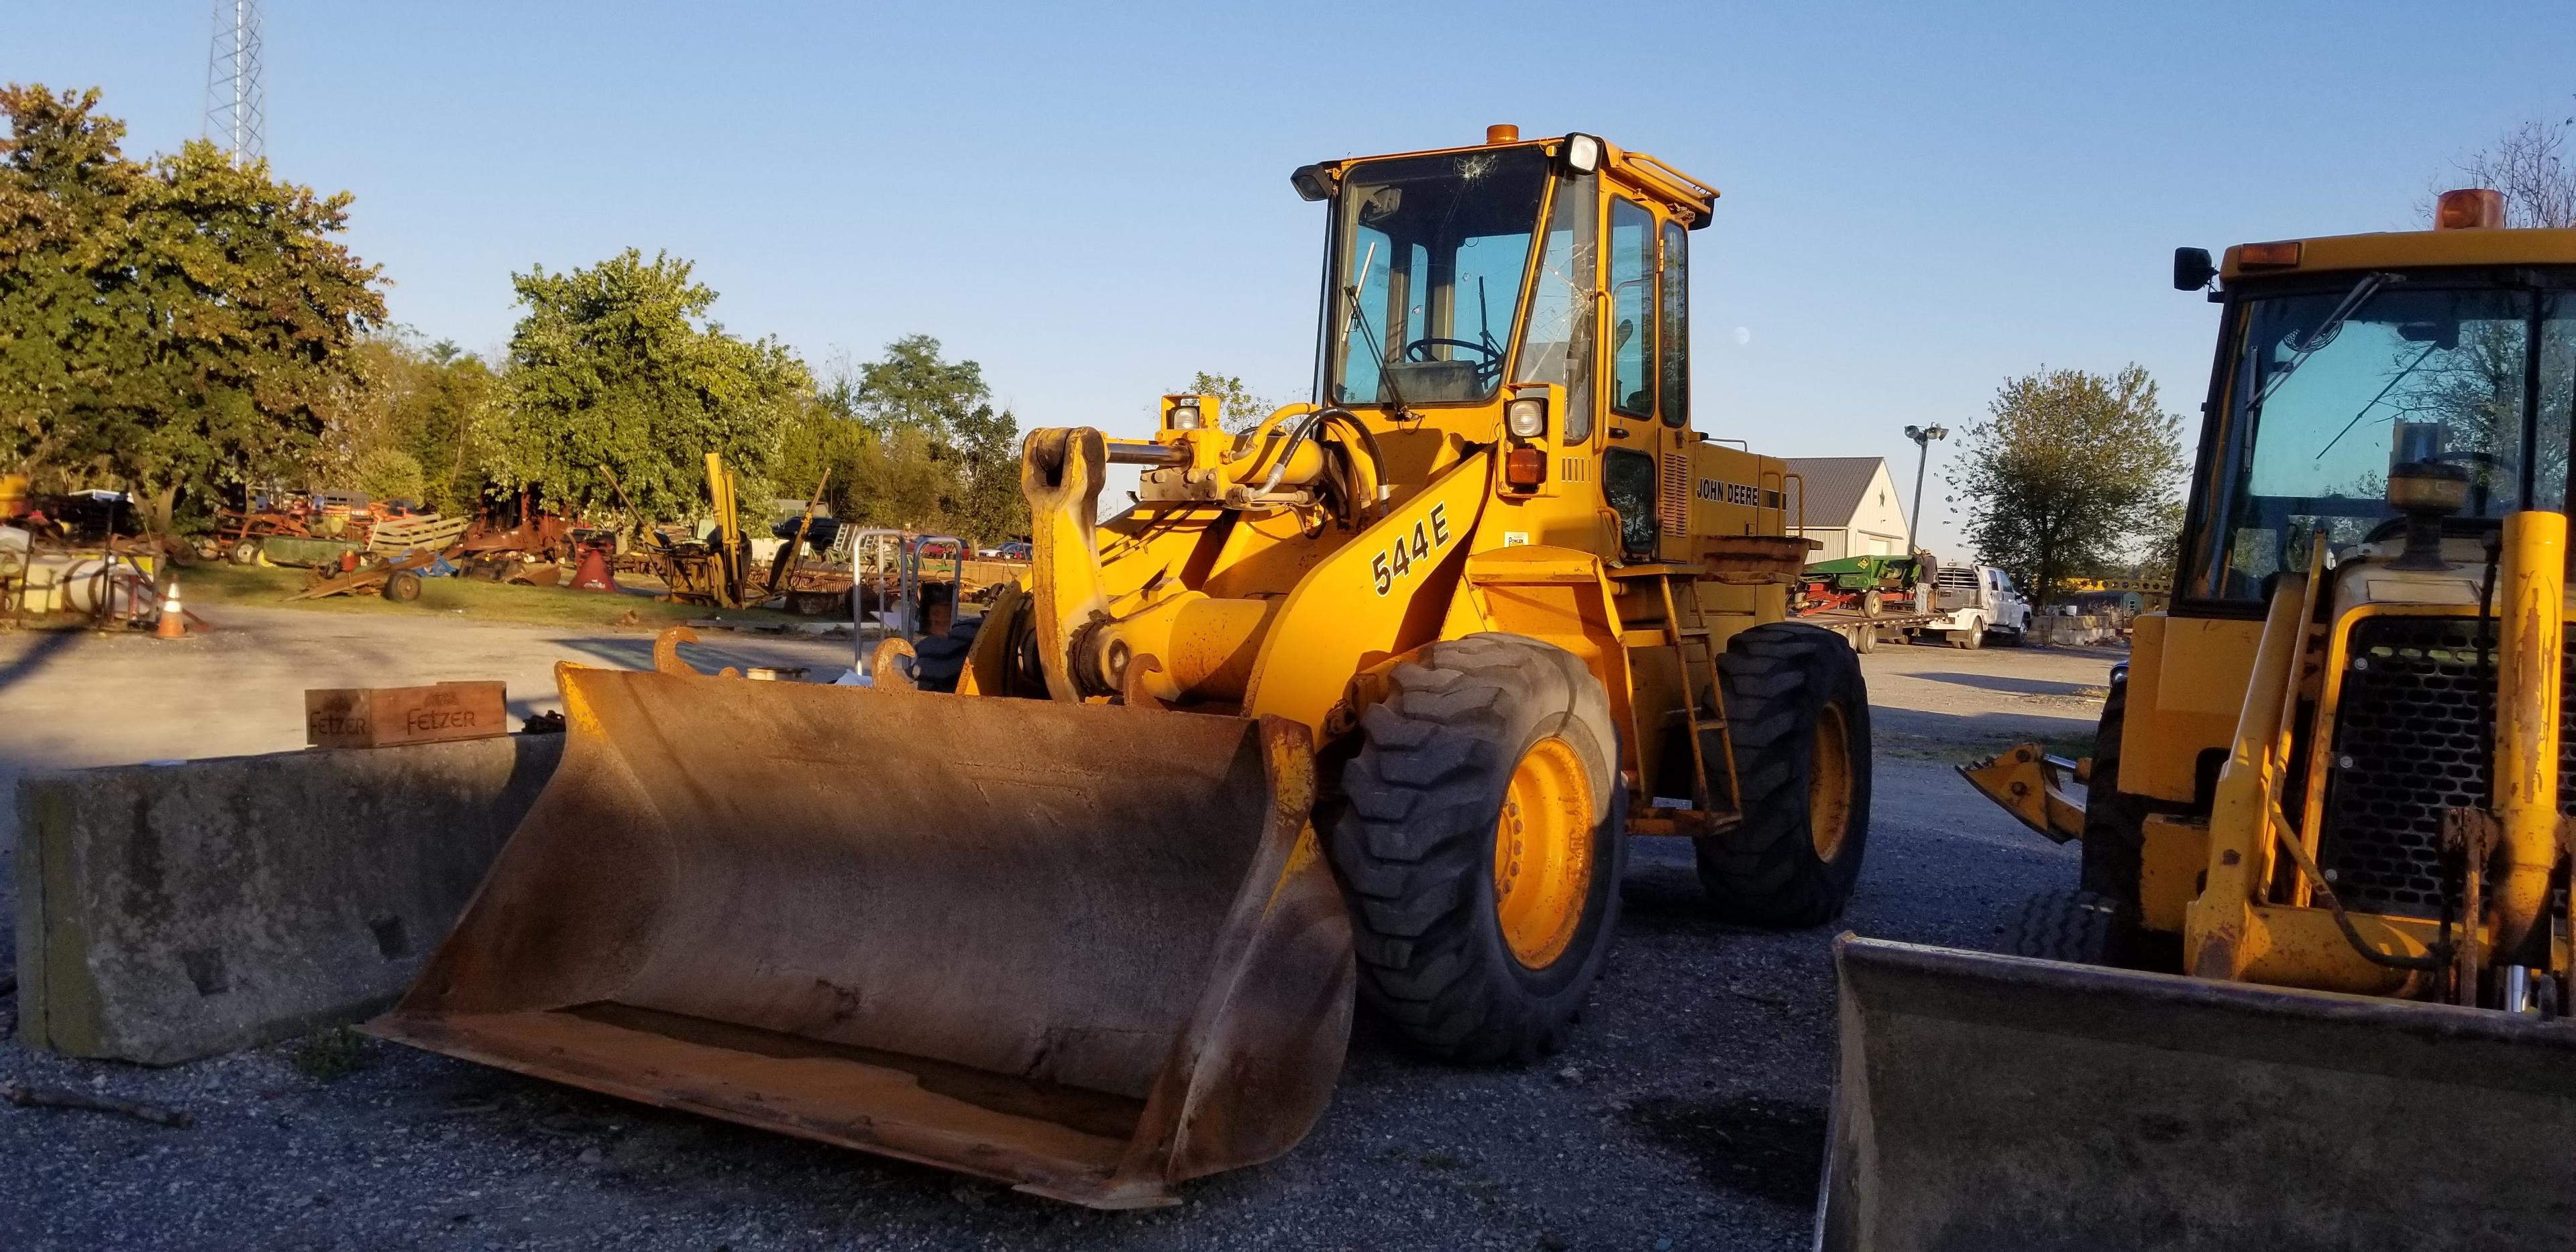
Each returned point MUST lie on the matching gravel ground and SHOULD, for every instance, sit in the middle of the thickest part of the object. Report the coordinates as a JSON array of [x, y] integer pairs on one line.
[[1689, 1111]]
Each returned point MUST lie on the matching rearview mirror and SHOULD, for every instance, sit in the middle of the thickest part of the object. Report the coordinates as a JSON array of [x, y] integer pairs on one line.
[[2442, 335], [2192, 269]]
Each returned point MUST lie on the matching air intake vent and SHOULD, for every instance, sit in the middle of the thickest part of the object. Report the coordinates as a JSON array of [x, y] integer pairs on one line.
[[1673, 498], [2410, 742]]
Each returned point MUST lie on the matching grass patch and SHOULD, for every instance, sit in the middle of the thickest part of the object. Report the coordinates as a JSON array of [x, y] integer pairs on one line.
[[268, 586], [330, 1055]]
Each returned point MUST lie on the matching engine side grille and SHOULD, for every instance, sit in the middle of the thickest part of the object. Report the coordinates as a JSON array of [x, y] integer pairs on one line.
[[2409, 743], [1673, 497]]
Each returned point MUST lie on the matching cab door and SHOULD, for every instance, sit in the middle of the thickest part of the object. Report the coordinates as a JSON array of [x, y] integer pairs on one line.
[[1649, 489]]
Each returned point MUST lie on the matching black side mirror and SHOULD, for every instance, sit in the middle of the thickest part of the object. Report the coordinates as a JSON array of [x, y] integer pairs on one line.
[[2192, 269]]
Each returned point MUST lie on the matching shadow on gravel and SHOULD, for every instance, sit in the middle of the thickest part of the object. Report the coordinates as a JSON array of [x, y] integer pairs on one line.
[[1751, 1145], [39, 652], [2006, 683]]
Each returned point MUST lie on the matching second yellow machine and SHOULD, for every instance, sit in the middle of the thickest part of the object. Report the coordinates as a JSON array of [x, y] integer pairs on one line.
[[1367, 696], [2311, 988]]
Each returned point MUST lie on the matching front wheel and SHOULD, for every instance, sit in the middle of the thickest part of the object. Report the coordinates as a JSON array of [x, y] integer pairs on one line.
[[1479, 840], [2078, 927], [1797, 713]]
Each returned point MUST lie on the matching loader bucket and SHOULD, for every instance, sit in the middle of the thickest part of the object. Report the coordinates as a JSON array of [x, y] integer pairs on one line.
[[1999, 1102], [1086, 950]]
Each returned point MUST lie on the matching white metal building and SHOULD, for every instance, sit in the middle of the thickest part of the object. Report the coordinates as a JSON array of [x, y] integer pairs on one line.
[[1852, 506]]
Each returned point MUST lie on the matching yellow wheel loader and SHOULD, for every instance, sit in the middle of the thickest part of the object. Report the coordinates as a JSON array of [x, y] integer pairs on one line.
[[2311, 988], [1361, 704]]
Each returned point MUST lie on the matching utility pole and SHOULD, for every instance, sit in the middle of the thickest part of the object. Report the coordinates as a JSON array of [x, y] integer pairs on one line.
[[236, 105], [1922, 437]]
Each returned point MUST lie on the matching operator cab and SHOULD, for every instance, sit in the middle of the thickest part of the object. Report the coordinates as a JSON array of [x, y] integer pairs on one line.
[[2348, 362], [1452, 276]]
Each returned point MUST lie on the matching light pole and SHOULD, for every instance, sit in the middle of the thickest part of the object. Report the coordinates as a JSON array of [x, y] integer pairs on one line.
[[1922, 437]]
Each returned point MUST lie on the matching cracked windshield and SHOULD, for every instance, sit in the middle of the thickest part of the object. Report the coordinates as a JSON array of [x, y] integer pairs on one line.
[[1430, 253], [2474, 377]]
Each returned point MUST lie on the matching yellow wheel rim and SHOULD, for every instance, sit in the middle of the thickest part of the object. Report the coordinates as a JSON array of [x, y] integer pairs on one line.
[[1829, 783], [1543, 853]]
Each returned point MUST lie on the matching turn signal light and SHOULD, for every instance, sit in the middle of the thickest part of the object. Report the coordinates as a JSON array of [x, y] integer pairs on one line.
[[2469, 208], [2266, 256], [1525, 468]]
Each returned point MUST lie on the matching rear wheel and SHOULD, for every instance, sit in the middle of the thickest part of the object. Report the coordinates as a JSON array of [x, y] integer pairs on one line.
[[2082, 927], [1798, 713], [402, 586], [1971, 636], [245, 552], [1479, 839]]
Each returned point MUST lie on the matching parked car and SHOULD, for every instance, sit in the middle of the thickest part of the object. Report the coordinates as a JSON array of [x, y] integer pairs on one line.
[[1977, 602]]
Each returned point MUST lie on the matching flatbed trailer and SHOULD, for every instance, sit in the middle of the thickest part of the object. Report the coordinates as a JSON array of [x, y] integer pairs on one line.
[[1862, 630]]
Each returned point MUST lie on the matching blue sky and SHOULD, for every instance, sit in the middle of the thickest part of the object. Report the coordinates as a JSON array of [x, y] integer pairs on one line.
[[1093, 202]]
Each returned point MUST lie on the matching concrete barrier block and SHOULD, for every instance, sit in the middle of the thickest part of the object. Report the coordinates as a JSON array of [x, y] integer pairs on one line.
[[176, 911]]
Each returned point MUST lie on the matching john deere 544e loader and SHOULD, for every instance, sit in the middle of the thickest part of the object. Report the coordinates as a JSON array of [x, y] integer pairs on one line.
[[1367, 698], [2324, 827]]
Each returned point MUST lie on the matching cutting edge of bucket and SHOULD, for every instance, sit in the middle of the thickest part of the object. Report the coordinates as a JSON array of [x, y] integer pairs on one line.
[[1244, 1080]]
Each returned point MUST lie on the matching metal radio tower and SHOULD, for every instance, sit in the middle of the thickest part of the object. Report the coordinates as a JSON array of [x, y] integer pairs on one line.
[[236, 110]]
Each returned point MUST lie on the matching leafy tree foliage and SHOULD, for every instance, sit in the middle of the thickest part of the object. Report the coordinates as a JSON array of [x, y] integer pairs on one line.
[[190, 325], [913, 440], [617, 365], [1239, 410], [175, 327], [2069, 470], [421, 404]]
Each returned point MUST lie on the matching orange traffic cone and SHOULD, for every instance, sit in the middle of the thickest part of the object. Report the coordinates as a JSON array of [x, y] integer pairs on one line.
[[174, 620]]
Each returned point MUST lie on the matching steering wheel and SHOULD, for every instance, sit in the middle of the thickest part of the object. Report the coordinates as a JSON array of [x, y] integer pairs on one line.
[[1488, 366]]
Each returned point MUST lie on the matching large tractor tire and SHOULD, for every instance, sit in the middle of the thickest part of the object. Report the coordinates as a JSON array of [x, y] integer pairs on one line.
[[1479, 837], [1798, 713], [2115, 825], [2079, 927]]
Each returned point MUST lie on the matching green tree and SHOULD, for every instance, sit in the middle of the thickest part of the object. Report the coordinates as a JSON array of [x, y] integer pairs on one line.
[[2069, 470], [616, 365], [390, 474], [1239, 410], [915, 441], [176, 327], [914, 387], [986, 500], [420, 403]]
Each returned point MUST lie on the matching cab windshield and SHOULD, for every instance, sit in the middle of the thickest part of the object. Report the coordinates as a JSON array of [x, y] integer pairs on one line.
[[1427, 264], [2420, 367]]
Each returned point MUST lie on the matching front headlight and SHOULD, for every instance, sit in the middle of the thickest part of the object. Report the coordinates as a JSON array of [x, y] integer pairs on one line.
[[1526, 418], [1185, 415]]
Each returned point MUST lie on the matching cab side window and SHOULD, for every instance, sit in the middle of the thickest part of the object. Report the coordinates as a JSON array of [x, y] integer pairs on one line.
[[1632, 309], [1674, 339]]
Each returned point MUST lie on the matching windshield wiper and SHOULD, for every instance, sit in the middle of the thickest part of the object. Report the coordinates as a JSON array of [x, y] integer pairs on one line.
[[1368, 335], [2307, 346]]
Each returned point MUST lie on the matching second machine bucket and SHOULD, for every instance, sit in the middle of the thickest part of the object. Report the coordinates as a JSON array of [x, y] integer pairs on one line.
[[2000, 1102]]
